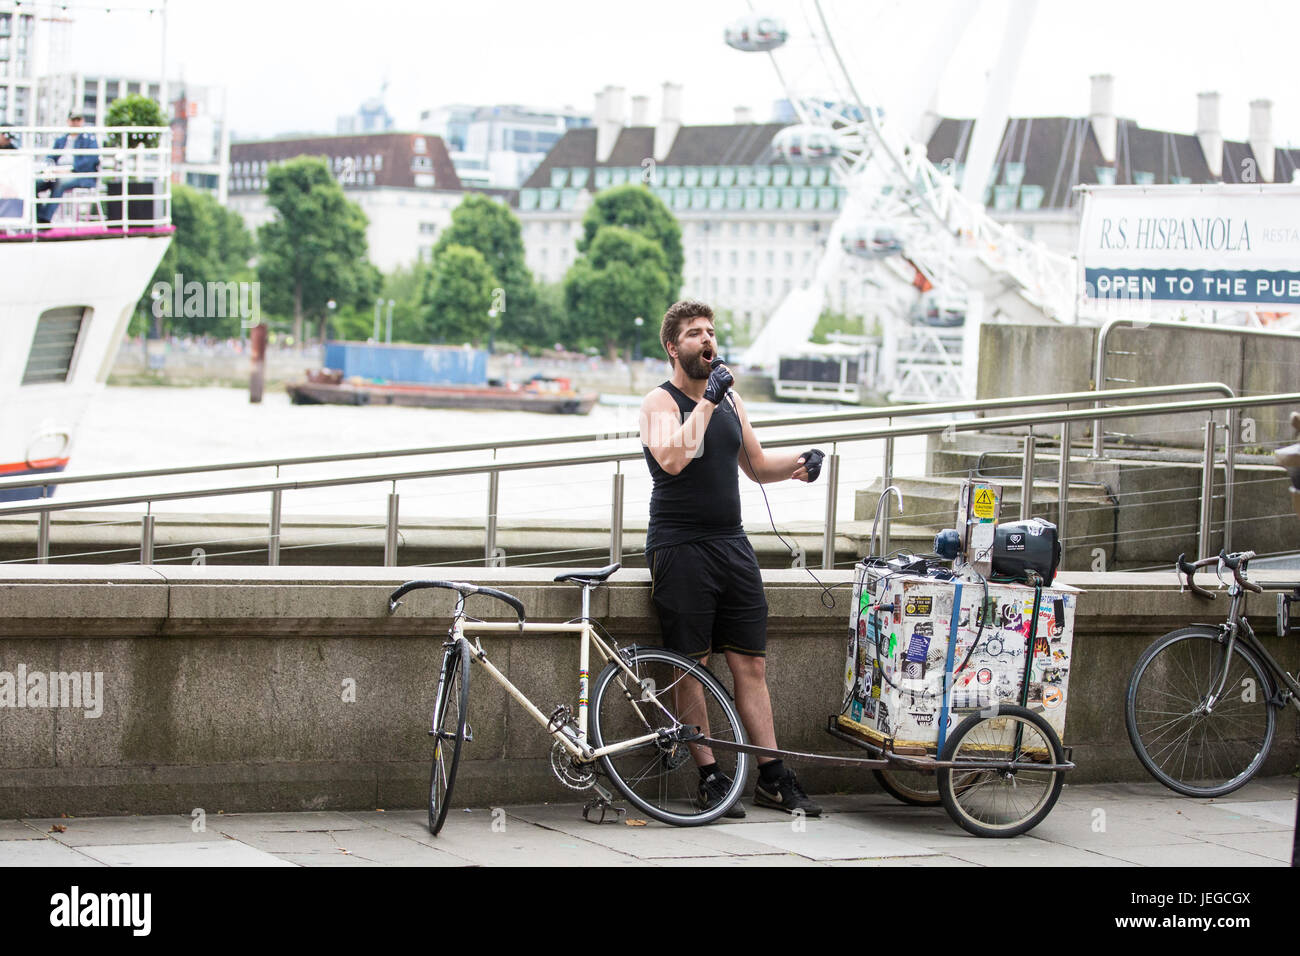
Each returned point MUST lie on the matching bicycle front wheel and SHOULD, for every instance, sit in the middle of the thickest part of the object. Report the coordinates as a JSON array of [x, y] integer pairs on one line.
[[994, 802], [669, 692], [449, 714], [1192, 747]]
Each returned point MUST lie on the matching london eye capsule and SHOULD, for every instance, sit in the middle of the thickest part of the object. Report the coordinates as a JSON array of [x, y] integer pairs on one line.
[[871, 240], [805, 144], [756, 34]]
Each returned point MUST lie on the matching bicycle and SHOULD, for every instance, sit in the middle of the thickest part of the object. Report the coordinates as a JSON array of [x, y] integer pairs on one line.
[[1202, 702], [649, 710]]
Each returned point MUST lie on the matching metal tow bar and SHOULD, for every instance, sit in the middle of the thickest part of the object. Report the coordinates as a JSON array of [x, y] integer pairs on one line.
[[876, 763]]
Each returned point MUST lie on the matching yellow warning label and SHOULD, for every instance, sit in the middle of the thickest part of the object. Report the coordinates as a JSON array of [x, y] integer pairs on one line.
[[985, 503]]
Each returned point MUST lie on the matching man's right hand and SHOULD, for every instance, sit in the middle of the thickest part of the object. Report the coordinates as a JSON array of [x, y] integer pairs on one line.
[[720, 380]]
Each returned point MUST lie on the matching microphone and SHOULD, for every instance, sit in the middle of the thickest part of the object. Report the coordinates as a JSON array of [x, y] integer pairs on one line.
[[713, 366]]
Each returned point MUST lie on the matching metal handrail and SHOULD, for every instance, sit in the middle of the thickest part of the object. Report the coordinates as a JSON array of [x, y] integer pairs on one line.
[[45, 508], [986, 404], [1103, 338]]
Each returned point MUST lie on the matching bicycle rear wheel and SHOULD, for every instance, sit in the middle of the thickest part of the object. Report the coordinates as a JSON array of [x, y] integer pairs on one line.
[[1001, 803], [670, 691], [449, 713], [920, 788], [1190, 751]]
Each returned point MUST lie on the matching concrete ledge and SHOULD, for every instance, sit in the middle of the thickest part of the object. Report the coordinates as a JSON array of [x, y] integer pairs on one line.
[[225, 687]]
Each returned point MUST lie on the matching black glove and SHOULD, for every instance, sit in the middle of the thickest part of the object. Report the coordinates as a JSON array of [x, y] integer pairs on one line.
[[720, 381], [812, 463]]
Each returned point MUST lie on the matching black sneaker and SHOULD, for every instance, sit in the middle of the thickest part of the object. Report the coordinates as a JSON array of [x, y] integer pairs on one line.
[[713, 789], [785, 794]]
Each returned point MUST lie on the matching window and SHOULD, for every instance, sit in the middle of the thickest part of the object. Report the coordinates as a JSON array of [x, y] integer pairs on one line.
[[54, 345], [1143, 178], [1031, 197], [709, 176], [1105, 175], [1013, 174], [771, 259], [558, 176], [733, 259]]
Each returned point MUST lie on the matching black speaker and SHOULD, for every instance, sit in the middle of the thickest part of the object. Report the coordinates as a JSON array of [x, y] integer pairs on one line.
[[1023, 546]]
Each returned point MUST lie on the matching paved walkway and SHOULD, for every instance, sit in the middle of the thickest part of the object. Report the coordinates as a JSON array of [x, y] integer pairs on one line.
[[1103, 825]]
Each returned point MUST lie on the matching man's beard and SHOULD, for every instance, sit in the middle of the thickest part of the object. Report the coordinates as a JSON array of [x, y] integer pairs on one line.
[[695, 367]]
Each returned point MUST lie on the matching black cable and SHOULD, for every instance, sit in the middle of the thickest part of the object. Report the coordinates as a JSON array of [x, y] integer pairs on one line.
[[826, 591]]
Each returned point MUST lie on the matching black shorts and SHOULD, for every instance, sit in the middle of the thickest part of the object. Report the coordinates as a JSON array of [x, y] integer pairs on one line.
[[709, 595]]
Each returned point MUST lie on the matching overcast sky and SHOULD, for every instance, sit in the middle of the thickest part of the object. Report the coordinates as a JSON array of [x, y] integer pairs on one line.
[[299, 64]]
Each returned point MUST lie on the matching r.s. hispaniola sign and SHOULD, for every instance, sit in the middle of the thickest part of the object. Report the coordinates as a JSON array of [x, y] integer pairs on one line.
[[1221, 245]]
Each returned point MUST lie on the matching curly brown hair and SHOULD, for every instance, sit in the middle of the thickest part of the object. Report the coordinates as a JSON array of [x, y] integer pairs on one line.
[[678, 314]]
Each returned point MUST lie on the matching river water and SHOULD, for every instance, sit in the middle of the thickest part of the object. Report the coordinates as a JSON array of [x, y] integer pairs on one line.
[[134, 428]]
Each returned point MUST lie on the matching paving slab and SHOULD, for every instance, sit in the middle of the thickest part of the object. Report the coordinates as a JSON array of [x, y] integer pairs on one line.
[[653, 841], [325, 859], [1027, 850], [212, 853], [1198, 854], [41, 853], [1089, 830], [939, 859], [1275, 844], [100, 831], [930, 827], [19, 830], [764, 859], [390, 849], [1280, 812], [470, 838], [830, 840], [1199, 820]]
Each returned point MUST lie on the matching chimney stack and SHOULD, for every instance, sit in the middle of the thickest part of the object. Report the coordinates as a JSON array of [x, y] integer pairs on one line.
[[1102, 114], [670, 120], [610, 123], [744, 115], [1261, 137], [640, 111], [1209, 133]]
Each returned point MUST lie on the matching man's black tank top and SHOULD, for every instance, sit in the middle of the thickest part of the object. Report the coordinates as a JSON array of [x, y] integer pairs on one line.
[[702, 501]]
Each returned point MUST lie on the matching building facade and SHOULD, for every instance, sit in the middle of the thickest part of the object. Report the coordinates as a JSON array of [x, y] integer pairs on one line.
[[404, 182], [499, 146], [19, 63]]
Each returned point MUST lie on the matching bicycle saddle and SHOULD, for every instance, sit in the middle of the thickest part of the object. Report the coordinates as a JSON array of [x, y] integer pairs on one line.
[[589, 578]]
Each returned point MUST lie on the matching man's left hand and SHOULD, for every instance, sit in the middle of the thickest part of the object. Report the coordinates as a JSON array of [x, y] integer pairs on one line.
[[808, 465]]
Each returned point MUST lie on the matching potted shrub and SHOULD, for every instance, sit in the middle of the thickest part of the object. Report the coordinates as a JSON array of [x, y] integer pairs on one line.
[[133, 110]]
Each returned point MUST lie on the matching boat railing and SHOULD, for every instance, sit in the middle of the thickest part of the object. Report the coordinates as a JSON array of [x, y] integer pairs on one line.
[[848, 429], [118, 182]]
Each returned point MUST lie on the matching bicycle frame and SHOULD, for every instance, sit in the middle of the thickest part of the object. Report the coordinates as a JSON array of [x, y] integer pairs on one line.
[[575, 743], [1237, 627]]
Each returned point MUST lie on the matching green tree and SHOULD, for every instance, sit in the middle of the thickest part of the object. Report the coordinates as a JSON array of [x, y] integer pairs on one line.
[[314, 250], [458, 297], [635, 207], [622, 276], [830, 322], [210, 245], [491, 228], [404, 286]]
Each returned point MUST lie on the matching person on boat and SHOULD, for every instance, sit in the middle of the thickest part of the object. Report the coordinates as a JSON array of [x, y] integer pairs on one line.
[[80, 163], [705, 582]]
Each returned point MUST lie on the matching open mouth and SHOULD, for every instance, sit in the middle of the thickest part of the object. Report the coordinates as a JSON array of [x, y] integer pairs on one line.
[[707, 355]]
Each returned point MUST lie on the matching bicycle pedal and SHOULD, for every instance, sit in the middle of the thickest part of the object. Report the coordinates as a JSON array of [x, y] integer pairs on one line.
[[605, 809]]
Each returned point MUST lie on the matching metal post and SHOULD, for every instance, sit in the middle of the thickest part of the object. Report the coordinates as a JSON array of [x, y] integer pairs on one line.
[[832, 493], [1027, 478], [490, 543], [146, 539], [1207, 490], [379, 305], [43, 538], [1063, 487], [390, 537], [273, 542], [616, 520], [888, 480], [1229, 479]]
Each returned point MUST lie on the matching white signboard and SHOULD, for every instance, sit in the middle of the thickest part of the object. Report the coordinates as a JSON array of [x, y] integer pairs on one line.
[[1226, 246], [17, 189]]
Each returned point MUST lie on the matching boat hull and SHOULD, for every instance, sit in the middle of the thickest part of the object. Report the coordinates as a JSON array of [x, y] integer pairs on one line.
[[426, 396]]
